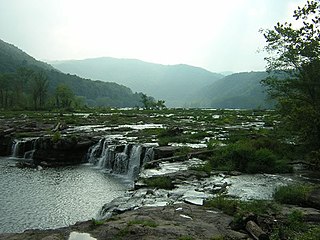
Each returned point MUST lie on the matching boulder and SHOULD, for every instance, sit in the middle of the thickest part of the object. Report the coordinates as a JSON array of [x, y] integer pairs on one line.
[[164, 152], [313, 199], [65, 151]]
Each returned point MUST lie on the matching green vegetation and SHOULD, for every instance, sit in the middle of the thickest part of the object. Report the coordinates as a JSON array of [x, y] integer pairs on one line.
[[151, 103], [294, 53], [56, 137], [239, 90], [185, 238], [146, 223], [292, 226], [241, 209], [261, 155], [26, 83], [176, 83], [293, 194], [159, 182], [96, 223]]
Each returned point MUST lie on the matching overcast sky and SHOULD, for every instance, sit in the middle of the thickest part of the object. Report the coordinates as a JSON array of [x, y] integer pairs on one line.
[[219, 35]]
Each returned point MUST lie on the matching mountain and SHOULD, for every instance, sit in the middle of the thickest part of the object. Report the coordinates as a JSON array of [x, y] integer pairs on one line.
[[172, 83], [95, 93], [239, 90], [12, 58]]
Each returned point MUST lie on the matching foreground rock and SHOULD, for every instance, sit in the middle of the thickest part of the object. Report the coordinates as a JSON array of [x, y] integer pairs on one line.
[[171, 222]]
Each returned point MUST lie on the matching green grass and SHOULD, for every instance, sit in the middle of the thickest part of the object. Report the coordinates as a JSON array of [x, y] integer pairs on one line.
[[146, 223]]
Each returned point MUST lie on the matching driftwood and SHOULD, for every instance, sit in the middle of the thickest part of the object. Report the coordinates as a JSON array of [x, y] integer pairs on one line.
[[256, 231]]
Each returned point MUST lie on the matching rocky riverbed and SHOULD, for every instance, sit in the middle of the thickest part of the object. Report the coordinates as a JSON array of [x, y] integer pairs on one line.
[[148, 211]]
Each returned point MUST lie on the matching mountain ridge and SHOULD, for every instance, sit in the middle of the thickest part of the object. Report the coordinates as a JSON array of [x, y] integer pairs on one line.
[[173, 83], [95, 93]]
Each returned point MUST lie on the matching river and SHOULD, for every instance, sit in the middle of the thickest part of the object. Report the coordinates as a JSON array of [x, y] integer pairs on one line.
[[53, 197]]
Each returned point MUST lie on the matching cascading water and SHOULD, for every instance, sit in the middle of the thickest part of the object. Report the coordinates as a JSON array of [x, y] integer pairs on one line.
[[24, 148], [15, 148], [134, 162], [120, 159]]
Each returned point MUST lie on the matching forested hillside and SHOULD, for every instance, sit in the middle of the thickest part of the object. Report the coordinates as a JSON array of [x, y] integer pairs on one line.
[[239, 90], [173, 83], [21, 74]]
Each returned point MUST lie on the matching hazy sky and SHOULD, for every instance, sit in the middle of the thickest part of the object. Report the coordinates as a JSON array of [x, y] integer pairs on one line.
[[219, 35]]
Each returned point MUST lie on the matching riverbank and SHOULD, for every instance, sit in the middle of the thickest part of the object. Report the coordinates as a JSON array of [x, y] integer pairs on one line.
[[180, 221]]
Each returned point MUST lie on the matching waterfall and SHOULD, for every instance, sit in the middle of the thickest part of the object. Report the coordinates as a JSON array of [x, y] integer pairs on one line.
[[23, 148], [15, 148], [149, 155], [134, 162], [120, 159]]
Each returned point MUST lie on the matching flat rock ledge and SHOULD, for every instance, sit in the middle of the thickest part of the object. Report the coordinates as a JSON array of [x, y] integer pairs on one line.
[[179, 221]]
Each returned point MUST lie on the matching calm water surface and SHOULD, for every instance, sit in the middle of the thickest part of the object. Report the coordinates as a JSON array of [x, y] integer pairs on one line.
[[52, 198]]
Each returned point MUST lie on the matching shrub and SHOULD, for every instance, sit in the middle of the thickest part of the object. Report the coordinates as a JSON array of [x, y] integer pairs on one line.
[[202, 167], [56, 137], [159, 182], [250, 156], [228, 206], [296, 194]]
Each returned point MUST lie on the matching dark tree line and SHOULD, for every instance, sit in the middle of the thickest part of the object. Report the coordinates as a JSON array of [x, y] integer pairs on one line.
[[28, 89]]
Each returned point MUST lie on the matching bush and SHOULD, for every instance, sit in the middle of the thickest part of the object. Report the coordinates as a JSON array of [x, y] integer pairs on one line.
[[296, 194], [159, 182], [202, 167], [250, 156], [56, 137]]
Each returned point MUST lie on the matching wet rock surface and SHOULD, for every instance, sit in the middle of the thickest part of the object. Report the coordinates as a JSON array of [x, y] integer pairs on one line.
[[171, 222]]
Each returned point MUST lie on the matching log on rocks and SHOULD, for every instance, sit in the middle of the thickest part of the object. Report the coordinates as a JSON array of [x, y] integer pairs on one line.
[[256, 231], [200, 153]]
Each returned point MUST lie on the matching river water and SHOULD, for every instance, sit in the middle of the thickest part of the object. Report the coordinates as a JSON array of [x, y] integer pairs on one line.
[[53, 197]]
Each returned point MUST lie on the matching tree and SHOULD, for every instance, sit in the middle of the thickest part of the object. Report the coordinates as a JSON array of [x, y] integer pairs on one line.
[[150, 102], [39, 89], [64, 96], [294, 55]]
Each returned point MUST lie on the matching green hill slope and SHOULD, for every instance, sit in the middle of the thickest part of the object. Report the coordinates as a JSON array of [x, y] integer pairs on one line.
[[173, 83], [95, 93], [239, 90]]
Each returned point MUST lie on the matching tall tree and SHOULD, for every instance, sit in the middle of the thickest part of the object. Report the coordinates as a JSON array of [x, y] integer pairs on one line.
[[64, 96], [294, 53], [39, 89]]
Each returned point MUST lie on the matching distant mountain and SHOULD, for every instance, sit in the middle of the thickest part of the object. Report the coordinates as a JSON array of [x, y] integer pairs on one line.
[[226, 73], [95, 93], [239, 90], [172, 83]]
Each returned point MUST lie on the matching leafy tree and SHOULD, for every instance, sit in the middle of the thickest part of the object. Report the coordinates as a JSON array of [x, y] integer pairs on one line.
[[294, 55], [5, 90], [64, 96], [151, 103], [39, 88]]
